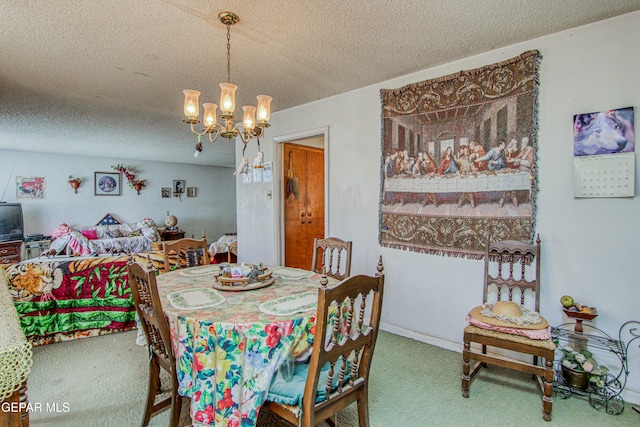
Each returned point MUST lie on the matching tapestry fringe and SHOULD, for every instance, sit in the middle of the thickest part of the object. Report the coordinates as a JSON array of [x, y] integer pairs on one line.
[[435, 251], [534, 143]]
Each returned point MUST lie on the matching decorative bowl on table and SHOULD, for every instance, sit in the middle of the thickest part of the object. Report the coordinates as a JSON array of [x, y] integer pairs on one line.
[[583, 315], [241, 277], [580, 316]]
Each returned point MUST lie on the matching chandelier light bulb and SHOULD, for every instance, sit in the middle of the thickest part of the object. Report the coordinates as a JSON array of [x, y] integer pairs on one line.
[[249, 119], [264, 108], [210, 111], [191, 103], [228, 98]]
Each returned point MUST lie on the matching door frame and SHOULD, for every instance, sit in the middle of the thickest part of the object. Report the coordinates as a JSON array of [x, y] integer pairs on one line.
[[279, 193]]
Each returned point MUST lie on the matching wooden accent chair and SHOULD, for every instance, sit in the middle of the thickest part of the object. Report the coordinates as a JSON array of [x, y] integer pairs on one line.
[[334, 254], [510, 265], [156, 329], [337, 373], [185, 253]]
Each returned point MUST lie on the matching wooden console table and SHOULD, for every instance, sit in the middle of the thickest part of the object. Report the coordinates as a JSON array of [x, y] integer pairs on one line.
[[11, 252]]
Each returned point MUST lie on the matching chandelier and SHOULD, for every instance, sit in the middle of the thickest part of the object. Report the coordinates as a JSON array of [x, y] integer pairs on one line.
[[254, 119]]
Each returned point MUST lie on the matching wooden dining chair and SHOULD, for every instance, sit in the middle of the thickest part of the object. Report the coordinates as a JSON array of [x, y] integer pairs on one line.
[[513, 267], [185, 253], [337, 373], [156, 329], [334, 255]]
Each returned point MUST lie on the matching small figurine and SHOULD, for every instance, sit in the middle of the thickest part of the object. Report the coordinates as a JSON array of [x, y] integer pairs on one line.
[[243, 167], [258, 162]]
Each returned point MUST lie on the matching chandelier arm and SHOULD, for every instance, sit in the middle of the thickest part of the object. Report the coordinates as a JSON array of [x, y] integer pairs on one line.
[[199, 134], [215, 138], [243, 134]]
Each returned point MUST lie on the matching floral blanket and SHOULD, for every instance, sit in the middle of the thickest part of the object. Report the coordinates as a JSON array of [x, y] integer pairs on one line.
[[64, 298]]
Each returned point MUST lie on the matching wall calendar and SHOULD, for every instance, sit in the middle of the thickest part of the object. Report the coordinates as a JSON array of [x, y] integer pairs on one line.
[[604, 176], [604, 153]]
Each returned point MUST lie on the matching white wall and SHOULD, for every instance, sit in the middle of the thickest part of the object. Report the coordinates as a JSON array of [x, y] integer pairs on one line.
[[213, 209], [589, 246]]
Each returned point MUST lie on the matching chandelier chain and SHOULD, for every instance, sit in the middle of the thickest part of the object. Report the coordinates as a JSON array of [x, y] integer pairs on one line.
[[228, 54]]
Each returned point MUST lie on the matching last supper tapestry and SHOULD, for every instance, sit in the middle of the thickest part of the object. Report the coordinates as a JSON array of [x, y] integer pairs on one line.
[[458, 160]]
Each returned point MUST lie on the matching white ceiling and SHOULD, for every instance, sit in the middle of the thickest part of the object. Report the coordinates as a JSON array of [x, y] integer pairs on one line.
[[105, 77]]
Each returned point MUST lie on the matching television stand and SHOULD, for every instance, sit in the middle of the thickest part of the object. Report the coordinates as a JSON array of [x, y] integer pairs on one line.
[[10, 252]]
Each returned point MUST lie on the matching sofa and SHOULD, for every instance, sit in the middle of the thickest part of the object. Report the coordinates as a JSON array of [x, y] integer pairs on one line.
[[125, 238]]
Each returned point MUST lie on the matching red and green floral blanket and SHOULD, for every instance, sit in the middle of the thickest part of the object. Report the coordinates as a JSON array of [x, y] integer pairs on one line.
[[65, 298]]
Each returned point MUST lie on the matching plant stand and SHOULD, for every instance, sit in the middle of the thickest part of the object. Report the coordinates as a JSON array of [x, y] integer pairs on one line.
[[607, 396]]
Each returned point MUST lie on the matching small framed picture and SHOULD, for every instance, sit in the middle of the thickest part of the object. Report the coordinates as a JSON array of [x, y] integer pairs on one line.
[[166, 192], [191, 191], [179, 186], [30, 187], [107, 184]]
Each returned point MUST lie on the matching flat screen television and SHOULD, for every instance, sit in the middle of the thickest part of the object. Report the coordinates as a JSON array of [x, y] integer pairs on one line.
[[11, 222]]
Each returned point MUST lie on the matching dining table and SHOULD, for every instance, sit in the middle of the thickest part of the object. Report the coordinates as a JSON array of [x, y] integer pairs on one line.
[[229, 343]]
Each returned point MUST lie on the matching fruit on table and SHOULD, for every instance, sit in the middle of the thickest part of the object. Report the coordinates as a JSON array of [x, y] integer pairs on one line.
[[567, 301]]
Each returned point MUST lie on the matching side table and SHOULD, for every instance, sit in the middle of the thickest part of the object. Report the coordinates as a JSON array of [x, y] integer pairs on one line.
[[172, 234], [11, 252], [608, 395]]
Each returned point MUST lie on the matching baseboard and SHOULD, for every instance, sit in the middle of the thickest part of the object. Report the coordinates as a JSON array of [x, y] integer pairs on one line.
[[630, 396], [438, 342]]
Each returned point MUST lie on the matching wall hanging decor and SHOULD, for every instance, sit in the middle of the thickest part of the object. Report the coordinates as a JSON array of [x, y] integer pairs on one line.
[[191, 191], [136, 184], [74, 183], [107, 184], [458, 159], [108, 219], [30, 187], [166, 192], [179, 187], [604, 158]]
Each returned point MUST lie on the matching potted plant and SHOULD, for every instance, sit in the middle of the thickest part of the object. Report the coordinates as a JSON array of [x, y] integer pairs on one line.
[[136, 184], [74, 183], [580, 368]]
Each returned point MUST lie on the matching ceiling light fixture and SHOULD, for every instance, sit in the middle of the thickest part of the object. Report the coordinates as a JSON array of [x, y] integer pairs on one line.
[[254, 119]]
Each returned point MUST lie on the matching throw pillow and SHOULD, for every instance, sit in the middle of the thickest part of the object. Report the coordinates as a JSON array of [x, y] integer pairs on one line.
[[114, 233], [90, 234], [135, 233]]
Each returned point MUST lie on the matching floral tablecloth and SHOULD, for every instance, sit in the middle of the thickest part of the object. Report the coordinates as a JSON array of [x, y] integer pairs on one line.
[[227, 353]]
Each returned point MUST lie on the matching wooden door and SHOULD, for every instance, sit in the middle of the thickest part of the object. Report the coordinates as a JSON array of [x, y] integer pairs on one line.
[[304, 214]]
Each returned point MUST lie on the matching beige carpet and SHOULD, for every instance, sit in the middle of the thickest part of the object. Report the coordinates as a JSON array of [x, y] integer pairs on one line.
[[104, 380]]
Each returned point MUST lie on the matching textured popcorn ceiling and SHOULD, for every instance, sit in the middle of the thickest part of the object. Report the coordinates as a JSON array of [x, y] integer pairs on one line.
[[105, 77]]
